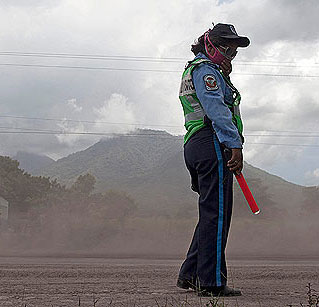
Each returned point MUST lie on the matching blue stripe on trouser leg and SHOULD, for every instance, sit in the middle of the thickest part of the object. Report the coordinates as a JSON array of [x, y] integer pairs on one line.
[[220, 211]]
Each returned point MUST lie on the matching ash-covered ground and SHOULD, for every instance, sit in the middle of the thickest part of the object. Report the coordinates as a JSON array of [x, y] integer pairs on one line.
[[103, 282]]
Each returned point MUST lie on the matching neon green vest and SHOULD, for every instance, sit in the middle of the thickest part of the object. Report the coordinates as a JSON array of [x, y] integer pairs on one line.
[[193, 111]]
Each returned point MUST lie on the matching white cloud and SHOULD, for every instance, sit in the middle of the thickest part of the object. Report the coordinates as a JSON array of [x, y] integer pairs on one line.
[[116, 115], [68, 128], [312, 177], [30, 3], [313, 174], [73, 105]]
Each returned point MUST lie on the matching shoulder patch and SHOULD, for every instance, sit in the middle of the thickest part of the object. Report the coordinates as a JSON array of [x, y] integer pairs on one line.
[[210, 83]]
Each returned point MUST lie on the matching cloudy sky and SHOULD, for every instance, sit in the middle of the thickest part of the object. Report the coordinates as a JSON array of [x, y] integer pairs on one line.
[[277, 75]]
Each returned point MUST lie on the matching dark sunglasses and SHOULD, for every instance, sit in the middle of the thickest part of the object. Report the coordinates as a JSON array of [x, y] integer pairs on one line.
[[227, 51]]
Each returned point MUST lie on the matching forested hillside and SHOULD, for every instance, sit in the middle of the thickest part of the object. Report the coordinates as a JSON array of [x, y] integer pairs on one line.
[[130, 195]]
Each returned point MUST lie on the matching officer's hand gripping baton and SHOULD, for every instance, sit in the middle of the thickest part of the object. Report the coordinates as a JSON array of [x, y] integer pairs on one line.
[[247, 193]]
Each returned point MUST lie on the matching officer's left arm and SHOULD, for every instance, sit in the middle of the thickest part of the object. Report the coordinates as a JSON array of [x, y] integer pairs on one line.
[[210, 88]]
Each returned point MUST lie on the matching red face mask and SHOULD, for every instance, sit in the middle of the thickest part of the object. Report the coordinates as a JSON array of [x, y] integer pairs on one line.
[[228, 52], [218, 57]]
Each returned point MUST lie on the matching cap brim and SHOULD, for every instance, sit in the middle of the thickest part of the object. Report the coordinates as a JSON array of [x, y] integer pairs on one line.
[[241, 40]]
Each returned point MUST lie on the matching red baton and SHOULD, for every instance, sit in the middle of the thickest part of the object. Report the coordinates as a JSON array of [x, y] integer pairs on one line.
[[247, 193]]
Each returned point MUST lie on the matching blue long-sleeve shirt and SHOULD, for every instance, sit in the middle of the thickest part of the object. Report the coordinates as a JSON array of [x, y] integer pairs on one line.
[[212, 92]]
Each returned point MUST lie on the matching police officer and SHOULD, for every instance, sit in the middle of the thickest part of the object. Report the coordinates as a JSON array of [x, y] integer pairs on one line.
[[212, 152]]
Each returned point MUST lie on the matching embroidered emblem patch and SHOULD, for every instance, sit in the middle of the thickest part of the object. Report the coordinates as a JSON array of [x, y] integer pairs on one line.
[[210, 83]]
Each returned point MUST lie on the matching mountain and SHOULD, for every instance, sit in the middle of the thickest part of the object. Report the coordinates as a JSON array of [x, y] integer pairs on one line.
[[149, 166], [119, 161], [32, 162]]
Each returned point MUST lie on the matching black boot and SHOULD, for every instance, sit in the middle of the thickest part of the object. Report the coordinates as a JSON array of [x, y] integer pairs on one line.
[[218, 291], [186, 284]]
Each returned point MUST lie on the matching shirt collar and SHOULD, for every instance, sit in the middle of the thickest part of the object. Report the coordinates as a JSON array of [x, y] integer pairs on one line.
[[201, 55]]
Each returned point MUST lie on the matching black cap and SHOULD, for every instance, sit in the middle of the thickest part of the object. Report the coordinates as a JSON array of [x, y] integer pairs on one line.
[[227, 31]]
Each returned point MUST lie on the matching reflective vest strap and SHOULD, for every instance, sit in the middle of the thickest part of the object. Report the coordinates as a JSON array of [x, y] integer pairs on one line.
[[190, 67]]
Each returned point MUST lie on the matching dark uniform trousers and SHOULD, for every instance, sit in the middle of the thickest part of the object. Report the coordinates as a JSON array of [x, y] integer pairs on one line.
[[211, 179]]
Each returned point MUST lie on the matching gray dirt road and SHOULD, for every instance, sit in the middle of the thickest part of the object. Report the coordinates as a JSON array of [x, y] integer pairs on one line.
[[138, 282]]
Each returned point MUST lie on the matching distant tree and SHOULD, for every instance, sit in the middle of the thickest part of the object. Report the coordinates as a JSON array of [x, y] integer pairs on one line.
[[27, 195], [76, 214], [10, 175], [118, 205], [84, 184], [19, 187]]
